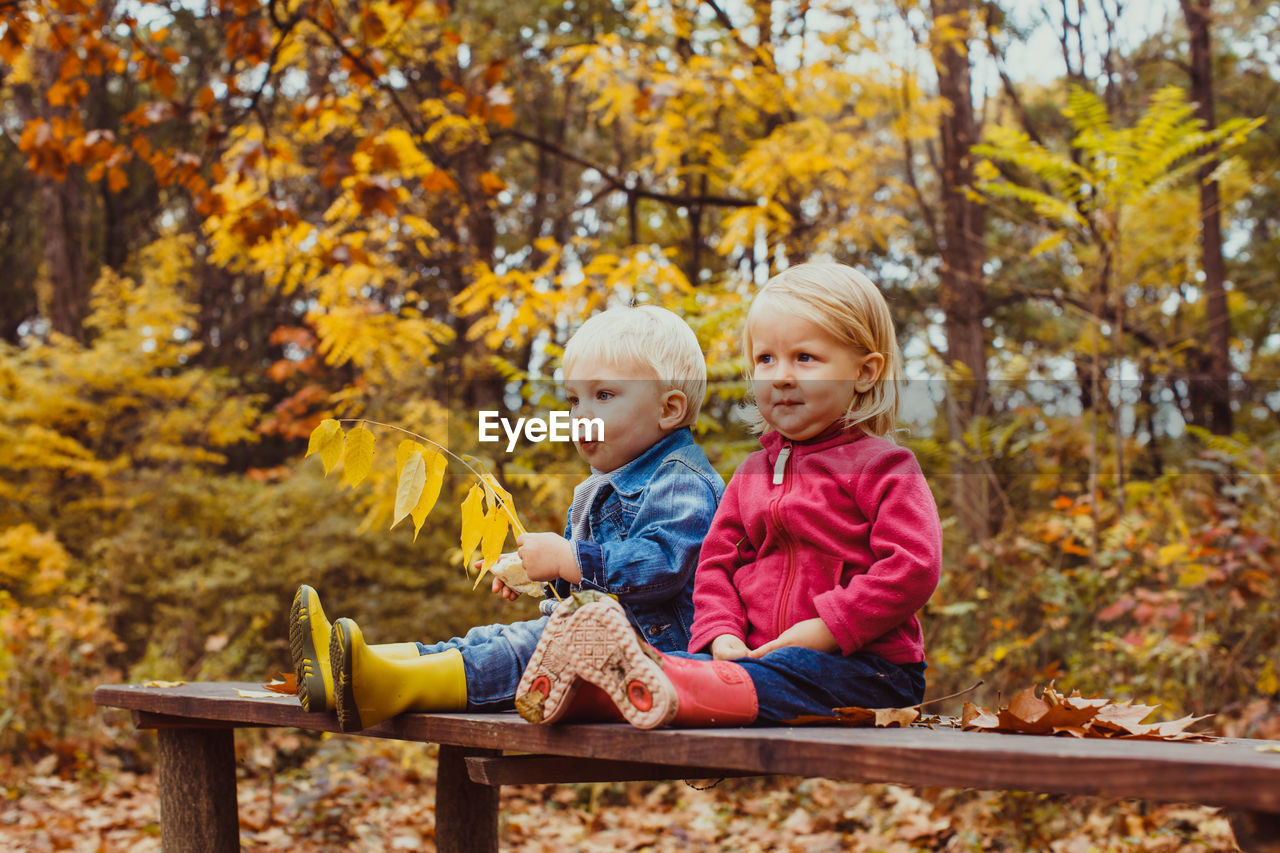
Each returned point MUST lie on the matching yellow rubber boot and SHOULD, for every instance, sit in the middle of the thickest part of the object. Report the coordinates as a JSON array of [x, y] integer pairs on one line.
[[370, 687], [309, 633]]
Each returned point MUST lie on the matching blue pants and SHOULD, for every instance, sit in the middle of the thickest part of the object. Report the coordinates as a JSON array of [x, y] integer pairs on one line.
[[794, 682], [494, 658], [790, 682]]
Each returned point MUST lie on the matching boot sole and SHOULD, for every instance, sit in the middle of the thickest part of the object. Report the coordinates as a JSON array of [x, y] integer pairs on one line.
[[307, 666], [344, 696], [595, 643]]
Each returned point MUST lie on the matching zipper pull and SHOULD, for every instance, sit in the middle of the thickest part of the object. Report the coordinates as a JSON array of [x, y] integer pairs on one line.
[[780, 467]]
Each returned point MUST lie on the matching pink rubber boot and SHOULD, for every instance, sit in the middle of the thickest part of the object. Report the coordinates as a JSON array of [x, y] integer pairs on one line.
[[592, 643]]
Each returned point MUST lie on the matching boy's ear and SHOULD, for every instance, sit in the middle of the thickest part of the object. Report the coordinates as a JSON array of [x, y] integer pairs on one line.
[[869, 370], [675, 405]]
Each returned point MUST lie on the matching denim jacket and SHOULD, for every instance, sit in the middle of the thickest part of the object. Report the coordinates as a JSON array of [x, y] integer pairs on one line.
[[647, 525]]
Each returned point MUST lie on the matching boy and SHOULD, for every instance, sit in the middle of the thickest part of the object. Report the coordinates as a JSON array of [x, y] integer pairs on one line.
[[634, 530]]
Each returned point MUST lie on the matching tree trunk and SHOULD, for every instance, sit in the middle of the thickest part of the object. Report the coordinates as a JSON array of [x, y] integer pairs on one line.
[[962, 252], [64, 302], [1218, 380]]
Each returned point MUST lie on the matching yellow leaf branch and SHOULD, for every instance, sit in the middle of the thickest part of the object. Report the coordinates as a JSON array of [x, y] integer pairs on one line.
[[419, 477]]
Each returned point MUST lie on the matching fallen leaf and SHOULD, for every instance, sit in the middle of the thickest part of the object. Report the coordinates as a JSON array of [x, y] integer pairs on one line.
[[283, 682], [164, 684], [977, 718], [855, 717], [893, 717], [1076, 716], [1124, 717]]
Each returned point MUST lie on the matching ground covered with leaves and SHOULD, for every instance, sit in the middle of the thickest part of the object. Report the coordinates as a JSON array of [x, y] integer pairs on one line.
[[300, 792]]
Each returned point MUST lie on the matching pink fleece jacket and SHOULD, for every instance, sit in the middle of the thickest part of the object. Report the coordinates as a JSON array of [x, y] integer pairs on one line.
[[841, 526]]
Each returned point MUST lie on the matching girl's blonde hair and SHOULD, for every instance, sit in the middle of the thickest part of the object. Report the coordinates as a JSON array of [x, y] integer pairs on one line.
[[849, 307], [650, 336]]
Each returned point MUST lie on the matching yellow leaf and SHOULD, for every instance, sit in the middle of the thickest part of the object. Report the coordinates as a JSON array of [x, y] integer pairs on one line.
[[435, 466], [413, 476], [472, 524], [357, 456], [495, 533], [404, 450], [321, 434], [327, 440], [496, 494]]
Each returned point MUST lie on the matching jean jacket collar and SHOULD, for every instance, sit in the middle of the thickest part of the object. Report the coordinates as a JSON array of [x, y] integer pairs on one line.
[[631, 478]]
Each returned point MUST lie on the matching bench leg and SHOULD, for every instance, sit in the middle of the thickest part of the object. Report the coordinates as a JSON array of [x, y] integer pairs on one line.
[[466, 812], [198, 791]]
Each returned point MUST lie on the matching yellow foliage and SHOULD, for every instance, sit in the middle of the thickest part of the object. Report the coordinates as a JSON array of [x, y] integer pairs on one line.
[[344, 260], [129, 397], [513, 306], [32, 563], [1115, 178]]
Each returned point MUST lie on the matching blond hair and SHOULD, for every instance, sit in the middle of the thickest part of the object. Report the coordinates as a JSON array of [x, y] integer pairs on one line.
[[848, 306], [647, 335]]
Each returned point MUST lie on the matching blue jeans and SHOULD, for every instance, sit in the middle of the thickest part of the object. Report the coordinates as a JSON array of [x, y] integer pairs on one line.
[[794, 682], [494, 658]]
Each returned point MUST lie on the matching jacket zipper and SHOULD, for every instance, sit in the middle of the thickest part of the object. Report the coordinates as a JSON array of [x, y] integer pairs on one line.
[[780, 466], [780, 479]]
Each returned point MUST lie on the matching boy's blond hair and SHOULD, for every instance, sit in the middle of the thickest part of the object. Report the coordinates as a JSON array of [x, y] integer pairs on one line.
[[848, 306], [647, 335]]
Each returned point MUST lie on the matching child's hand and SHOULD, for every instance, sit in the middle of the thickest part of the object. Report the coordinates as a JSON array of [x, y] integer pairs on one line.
[[728, 647], [548, 557], [500, 588], [809, 634]]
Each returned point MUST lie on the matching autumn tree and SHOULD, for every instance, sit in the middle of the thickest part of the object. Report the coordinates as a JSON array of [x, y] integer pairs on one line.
[[1090, 200], [1217, 381]]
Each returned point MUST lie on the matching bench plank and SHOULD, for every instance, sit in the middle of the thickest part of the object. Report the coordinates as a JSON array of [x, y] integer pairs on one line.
[[551, 769], [1237, 774]]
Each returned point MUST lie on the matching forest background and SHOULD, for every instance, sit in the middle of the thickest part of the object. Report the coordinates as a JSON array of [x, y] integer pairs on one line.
[[223, 221]]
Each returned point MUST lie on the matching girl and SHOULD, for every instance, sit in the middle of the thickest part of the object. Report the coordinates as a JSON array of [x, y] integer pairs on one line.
[[826, 545]]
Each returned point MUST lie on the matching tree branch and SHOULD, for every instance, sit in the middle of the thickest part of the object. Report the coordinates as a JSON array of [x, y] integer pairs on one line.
[[909, 156], [409, 116], [1024, 118], [620, 184], [284, 28], [759, 52]]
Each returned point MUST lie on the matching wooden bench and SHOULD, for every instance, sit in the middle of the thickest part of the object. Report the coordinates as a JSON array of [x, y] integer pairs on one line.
[[196, 722]]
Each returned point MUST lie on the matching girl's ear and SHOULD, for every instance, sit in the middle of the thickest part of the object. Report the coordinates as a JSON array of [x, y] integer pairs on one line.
[[870, 366], [675, 405]]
